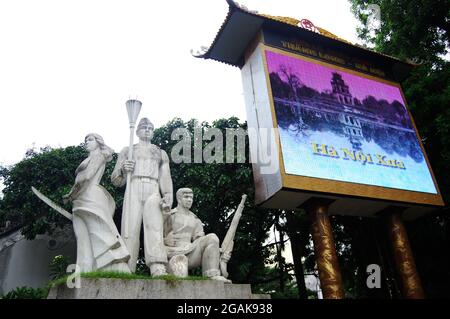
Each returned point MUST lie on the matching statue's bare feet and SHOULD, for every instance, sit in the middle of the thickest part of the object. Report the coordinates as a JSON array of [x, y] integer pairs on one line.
[[221, 278]]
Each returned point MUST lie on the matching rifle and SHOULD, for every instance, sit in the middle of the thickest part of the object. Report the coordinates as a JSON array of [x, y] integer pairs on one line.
[[228, 241]]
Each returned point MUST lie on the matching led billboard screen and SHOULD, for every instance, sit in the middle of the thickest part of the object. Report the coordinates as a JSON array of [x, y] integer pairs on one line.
[[342, 125]]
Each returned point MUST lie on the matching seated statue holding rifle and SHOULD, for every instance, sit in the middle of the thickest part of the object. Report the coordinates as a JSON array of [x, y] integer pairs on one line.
[[185, 239]]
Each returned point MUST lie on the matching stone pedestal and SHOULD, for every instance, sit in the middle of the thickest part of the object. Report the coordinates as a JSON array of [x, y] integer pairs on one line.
[[108, 288]]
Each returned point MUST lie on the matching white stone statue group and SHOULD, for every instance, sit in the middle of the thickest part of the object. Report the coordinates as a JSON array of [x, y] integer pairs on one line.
[[174, 239]]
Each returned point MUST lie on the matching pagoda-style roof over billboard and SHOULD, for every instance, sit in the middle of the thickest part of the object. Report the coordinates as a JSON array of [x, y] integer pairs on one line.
[[242, 25]]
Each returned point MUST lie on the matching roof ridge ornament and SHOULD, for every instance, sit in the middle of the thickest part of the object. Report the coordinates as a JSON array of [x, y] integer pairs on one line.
[[308, 25]]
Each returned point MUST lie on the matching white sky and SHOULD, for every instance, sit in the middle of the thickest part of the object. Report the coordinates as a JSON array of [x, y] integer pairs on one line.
[[67, 67]]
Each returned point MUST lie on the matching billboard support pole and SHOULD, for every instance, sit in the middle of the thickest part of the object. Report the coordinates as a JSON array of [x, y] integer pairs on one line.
[[324, 248], [404, 259]]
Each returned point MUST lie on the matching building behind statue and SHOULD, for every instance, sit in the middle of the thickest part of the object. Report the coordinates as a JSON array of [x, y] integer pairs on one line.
[[27, 262]]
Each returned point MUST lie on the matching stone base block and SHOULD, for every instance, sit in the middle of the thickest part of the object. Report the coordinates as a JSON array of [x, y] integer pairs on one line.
[[109, 288]]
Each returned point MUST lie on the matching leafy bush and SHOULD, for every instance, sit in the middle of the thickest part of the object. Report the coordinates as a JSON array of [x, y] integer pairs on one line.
[[58, 267], [26, 293]]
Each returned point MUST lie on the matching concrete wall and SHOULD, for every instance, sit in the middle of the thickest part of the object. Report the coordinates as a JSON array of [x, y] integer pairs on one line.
[[114, 288], [26, 262]]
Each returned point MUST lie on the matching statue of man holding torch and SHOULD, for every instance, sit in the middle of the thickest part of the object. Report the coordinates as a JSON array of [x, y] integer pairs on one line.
[[148, 192]]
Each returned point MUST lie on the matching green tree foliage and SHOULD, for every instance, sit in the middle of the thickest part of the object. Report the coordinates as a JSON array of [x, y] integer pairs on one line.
[[408, 29], [58, 267], [49, 170]]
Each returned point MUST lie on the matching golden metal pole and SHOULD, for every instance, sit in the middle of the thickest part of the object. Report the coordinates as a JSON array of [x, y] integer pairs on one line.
[[325, 249], [404, 259]]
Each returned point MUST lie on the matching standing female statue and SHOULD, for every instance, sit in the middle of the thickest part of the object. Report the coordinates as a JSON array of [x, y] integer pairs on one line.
[[99, 245]]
